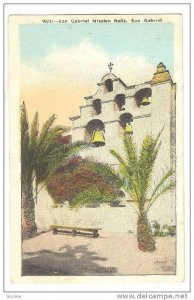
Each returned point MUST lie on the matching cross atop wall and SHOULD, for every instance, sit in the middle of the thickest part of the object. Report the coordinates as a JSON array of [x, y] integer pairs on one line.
[[110, 65]]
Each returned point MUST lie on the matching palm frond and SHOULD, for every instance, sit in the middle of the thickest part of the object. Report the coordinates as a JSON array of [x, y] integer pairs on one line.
[[53, 134], [34, 130], [74, 148], [54, 156], [147, 157], [107, 172], [45, 128], [163, 179], [131, 151], [163, 189], [123, 164], [26, 165], [91, 195], [33, 139]]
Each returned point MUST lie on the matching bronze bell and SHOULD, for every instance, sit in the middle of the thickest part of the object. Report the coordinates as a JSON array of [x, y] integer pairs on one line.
[[98, 138], [145, 101], [128, 128]]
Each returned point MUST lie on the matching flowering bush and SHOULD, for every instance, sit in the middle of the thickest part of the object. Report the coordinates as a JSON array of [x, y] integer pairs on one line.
[[84, 176]]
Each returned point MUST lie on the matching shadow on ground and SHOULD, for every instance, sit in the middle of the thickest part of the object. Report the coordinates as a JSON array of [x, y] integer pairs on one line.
[[168, 267], [78, 261]]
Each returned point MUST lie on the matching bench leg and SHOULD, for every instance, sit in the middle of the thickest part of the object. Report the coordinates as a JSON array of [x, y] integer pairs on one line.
[[74, 232], [95, 234], [54, 230]]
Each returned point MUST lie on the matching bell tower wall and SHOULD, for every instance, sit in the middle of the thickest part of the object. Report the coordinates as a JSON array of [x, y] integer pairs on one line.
[[78, 134], [162, 97], [161, 117]]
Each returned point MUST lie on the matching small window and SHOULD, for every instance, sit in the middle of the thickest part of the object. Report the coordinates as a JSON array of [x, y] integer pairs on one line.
[[109, 85], [120, 101], [97, 106]]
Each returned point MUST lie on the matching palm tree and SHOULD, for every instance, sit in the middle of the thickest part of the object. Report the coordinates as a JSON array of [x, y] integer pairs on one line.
[[136, 171], [28, 217], [41, 155]]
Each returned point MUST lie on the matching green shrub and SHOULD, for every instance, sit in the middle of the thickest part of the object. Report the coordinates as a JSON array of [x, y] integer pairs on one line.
[[164, 231]]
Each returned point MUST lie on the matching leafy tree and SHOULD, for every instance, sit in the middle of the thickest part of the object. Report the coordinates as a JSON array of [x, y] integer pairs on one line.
[[136, 170], [41, 154]]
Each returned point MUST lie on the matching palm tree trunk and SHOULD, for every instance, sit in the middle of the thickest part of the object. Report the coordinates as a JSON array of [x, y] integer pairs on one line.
[[29, 227], [145, 239]]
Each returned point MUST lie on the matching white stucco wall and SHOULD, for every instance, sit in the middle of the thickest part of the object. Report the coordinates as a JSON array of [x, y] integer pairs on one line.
[[115, 219]]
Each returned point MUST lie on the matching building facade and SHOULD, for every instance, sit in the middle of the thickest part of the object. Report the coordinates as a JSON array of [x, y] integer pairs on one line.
[[115, 108]]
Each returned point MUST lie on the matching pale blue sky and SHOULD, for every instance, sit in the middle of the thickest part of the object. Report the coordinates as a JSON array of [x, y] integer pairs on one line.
[[153, 41]]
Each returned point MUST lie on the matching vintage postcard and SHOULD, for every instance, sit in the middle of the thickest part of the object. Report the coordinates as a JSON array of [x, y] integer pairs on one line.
[[96, 119]]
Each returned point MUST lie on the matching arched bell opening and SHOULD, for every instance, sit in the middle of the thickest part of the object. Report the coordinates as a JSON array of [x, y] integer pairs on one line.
[[120, 101], [97, 106], [109, 85], [95, 133], [143, 97], [126, 120]]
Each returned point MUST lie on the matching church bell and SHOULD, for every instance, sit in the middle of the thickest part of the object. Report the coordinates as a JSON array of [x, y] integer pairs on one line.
[[98, 138], [129, 128], [145, 101]]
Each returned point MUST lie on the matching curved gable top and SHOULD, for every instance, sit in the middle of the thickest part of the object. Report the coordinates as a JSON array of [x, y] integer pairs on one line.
[[108, 76], [113, 77]]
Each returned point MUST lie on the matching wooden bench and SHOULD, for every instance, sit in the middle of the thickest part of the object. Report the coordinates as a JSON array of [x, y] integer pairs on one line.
[[75, 230]]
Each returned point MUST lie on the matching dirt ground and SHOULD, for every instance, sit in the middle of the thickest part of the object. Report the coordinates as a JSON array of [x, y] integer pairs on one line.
[[110, 254]]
